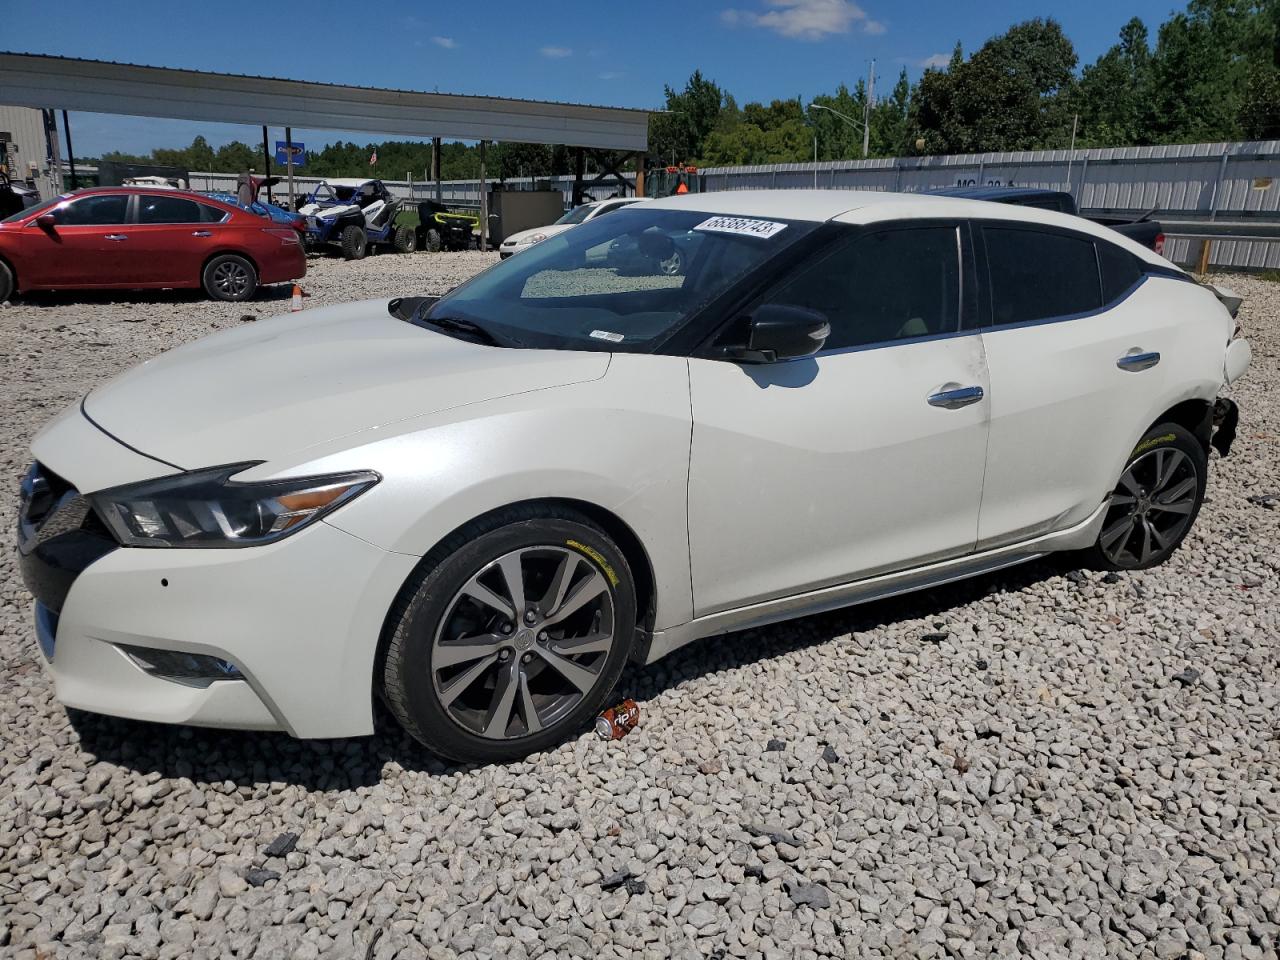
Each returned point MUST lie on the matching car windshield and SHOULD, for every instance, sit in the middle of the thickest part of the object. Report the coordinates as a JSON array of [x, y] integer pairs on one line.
[[621, 282], [577, 214], [29, 211]]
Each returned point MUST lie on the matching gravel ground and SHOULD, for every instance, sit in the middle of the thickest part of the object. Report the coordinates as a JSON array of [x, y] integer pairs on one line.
[[1042, 763]]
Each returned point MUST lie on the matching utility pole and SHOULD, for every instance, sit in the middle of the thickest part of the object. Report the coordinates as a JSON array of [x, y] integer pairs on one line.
[[1072, 151], [866, 110]]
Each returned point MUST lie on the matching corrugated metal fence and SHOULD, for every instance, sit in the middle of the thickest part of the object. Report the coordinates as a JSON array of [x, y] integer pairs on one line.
[[1193, 181]]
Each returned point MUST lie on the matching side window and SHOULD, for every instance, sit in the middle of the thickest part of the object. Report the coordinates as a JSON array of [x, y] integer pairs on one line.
[[154, 208], [890, 285], [210, 214], [94, 211], [1038, 275], [1120, 270]]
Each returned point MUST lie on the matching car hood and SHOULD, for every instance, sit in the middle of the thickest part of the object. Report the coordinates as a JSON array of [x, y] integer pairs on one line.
[[262, 391], [545, 231]]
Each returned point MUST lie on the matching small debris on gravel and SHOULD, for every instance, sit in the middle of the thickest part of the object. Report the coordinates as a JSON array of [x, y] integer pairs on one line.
[[937, 637], [1187, 677], [809, 895], [982, 664], [281, 845], [635, 886], [257, 876], [1115, 816], [829, 754], [1268, 500], [615, 880]]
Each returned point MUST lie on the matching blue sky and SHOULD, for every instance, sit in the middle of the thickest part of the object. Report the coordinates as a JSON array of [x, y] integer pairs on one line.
[[610, 53]]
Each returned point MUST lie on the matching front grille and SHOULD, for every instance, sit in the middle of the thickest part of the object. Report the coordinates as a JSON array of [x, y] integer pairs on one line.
[[59, 535]]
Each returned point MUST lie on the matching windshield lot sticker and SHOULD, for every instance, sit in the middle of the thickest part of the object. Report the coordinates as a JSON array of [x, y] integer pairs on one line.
[[608, 335], [764, 229]]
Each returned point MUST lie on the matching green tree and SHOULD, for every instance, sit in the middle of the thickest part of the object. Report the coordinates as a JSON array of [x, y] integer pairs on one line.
[[678, 135], [1112, 95], [1007, 96]]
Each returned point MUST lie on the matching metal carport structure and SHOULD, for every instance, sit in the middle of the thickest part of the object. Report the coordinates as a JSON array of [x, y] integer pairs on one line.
[[97, 86]]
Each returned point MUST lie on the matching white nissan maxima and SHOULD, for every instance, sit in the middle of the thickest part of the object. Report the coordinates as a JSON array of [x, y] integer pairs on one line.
[[481, 507]]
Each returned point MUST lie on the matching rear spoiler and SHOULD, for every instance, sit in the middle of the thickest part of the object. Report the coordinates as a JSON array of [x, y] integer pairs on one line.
[[1227, 297]]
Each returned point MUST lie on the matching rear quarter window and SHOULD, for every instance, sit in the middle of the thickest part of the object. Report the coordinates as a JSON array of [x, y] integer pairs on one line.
[[1121, 270], [1040, 275]]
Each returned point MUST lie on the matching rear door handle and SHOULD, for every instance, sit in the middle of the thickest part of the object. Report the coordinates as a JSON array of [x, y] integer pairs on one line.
[[1137, 362], [955, 398], [116, 236], [201, 233]]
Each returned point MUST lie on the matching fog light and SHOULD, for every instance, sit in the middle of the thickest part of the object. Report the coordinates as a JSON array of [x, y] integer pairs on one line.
[[189, 669]]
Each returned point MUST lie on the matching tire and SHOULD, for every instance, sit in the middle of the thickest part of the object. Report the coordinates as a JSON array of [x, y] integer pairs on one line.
[[1156, 501], [673, 266], [354, 242], [7, 282], [230, 277], [405, 240], [431, 240], [512, 701]]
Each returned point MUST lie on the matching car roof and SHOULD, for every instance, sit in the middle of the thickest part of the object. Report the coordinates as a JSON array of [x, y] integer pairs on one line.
[[868, 207], [149, 191]]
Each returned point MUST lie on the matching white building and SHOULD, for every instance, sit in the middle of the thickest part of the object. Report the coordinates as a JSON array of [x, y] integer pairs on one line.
[[24, 147]]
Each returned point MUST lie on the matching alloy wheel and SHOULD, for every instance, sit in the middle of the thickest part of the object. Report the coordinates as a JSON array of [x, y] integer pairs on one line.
[[1151, 508], [522, 642], [231, 278]]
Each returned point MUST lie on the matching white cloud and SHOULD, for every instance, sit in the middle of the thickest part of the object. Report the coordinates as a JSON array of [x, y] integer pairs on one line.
[[611, 75], [937, 61], [876, 28], [805, 19], [556, 53], [447, 42]]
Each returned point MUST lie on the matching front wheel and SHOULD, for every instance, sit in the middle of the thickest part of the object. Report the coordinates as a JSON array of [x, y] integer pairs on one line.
[[6, 282], [354, 242], [405, 240], [230, 277], [512, 641], [1156, 501]]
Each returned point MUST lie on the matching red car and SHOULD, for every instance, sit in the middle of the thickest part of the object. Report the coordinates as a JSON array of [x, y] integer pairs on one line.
[[128, 238]]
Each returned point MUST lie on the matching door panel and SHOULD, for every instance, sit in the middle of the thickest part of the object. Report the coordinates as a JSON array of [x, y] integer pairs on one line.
[[169, 241], [85, 248], [1063, 413], [1065, 406], [820, 471]]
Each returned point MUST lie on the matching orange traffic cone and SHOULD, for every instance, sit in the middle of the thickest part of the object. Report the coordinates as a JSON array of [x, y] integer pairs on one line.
[[296, 303]]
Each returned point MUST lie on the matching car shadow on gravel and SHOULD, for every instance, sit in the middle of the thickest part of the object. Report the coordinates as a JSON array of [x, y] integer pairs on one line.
[[44, 299], [247, 758]]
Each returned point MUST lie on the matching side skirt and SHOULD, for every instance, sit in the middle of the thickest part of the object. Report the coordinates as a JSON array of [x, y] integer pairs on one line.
[[1076, 537]]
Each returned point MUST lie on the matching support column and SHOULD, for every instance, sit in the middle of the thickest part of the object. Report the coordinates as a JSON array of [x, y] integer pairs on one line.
[[579, 168], [639, 174], [71, 156], [288, 140], [266, 163], [435, 168], [484, 204]]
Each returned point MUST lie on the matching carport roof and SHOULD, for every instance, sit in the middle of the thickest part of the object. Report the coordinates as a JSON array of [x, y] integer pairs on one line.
[[100, 86]]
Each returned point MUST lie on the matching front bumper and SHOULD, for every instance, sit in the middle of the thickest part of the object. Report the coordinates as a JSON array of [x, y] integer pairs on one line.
[[300, 620]]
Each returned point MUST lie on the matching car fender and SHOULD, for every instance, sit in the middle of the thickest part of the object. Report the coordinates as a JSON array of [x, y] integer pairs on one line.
[[619, 443]]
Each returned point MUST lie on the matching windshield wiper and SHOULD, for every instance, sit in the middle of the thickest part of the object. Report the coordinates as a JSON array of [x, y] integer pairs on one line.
[[458, 325]]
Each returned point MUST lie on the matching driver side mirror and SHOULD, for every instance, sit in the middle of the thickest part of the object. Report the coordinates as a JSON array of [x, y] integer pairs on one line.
[[781, 331], [47, 221]]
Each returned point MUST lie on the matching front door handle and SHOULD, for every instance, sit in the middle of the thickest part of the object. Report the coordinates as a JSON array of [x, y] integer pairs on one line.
[[201, 233], [955, 398], [1137, 362], [116, 236]]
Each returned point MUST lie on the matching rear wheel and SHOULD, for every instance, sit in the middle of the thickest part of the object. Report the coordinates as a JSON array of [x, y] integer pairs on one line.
[[405, 240], [512, 641], [1156, 501], [6, 282], [431, 240], [230, 277], [354, 242]]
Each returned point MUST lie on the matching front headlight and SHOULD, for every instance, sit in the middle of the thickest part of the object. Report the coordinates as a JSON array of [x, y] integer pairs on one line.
[[535, 238], [206, 508]]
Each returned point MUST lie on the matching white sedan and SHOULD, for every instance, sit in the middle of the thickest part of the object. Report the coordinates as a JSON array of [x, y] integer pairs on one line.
[[523, 240], [481, 507]]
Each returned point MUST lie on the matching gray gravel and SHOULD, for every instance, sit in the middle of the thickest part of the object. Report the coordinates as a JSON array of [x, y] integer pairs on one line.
[[1080, 767]]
